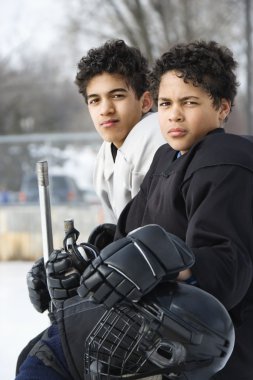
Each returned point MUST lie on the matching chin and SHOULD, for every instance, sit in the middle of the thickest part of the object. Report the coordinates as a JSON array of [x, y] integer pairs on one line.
[[175, 146], [107, 137]]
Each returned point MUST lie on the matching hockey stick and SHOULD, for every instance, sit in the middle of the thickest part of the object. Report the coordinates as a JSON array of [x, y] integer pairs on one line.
[[45, 209]]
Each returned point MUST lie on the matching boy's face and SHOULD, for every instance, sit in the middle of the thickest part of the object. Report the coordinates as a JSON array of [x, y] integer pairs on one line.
[[186, 112], [114, 107]]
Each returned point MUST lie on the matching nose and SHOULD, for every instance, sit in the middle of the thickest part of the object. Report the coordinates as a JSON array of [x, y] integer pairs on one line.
[[106, 107], [175, 113]]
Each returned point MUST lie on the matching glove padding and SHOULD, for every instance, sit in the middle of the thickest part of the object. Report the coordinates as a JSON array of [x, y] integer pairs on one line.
[[102, 235], [64, 269], [37, 286], [131, 267]]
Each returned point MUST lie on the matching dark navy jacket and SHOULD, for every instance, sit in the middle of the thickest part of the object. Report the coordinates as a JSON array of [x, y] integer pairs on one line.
[[206, 198]]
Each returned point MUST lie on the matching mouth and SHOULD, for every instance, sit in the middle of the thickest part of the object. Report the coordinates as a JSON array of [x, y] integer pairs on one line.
[[109, 123], [177, 132]]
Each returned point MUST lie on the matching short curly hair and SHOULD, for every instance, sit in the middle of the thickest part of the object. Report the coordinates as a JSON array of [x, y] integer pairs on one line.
[[205, 64], [114, 57]]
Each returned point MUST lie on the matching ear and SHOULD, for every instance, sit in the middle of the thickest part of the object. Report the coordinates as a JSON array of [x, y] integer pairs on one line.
[[225, 108], [147, 102]]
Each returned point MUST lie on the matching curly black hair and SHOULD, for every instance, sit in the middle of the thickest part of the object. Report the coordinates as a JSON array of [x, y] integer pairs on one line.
[[114, 57], [205, 64]]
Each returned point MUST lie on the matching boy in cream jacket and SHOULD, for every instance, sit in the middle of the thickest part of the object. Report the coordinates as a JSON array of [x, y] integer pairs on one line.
[[114, 82]]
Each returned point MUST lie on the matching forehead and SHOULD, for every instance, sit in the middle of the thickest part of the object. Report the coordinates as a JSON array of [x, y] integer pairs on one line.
[[105, 83], [171, 85]]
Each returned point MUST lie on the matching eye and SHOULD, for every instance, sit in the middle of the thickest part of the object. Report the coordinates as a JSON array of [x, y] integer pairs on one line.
[[190, 102], [118, 96], [164, 103], [93, 101]]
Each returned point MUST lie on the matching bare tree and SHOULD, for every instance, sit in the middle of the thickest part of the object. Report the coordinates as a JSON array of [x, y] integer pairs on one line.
[[155, 25], [35, 99]]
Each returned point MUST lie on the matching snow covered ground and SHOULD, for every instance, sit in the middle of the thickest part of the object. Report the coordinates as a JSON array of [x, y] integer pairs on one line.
[[19, 321]]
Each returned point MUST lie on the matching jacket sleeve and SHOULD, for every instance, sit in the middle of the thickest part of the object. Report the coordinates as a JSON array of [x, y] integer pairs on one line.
[[103, 164], [46, 359], [131, 216], [134, 158], [144, 147], [220, 231], [34, 368]]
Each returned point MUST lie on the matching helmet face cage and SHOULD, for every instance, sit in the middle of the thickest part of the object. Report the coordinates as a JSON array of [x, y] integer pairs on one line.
[[126, 343], [177, 331]]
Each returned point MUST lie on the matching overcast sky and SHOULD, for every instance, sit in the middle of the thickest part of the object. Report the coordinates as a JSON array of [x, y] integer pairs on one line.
[[29, 23], [34, 26]]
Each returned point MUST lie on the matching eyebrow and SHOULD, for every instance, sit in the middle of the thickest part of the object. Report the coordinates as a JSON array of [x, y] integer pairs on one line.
[[181, 99], [110, 92]]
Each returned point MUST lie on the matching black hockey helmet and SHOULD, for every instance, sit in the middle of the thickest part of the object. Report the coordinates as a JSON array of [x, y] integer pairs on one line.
[[178, 330]]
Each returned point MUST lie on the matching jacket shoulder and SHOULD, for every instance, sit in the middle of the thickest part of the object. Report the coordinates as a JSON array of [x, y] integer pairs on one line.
[[221, 149], [145, 135], [163, 157]]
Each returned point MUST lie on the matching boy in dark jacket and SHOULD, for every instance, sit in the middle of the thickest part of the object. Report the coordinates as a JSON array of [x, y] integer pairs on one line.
[[200, 187]]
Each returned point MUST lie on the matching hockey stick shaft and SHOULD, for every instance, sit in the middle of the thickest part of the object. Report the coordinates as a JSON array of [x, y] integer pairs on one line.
[[45, 208]]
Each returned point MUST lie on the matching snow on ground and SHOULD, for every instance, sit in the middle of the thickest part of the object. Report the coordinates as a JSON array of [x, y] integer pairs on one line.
[[19, 321]]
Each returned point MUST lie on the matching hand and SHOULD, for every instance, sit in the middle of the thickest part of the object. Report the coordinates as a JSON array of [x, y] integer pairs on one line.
[[62, 277], [37, 286], [184, 275], [64, 269], [131, 267]]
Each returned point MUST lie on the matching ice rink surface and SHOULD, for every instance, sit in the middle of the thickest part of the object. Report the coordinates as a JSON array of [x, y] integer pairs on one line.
[[19, 321]]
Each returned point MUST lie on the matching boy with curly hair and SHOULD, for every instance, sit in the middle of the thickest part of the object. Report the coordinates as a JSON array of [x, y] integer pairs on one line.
[[114, 80], [199, 190]]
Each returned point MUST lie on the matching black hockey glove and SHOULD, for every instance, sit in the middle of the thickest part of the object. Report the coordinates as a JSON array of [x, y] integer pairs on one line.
[[131, 267], [102, 235], [64, 270], [37, 286]]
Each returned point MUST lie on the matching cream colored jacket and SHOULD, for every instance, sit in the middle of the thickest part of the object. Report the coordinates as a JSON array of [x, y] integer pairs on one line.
[[116, 183]]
